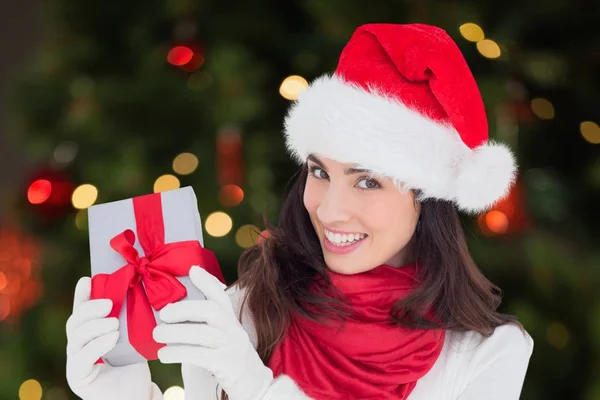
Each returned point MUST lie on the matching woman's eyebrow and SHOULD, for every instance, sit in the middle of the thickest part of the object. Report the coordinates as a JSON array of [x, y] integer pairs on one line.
[[347, 171]]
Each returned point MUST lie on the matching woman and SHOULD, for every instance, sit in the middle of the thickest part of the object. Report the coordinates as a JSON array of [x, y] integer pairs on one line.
[[365, 289]]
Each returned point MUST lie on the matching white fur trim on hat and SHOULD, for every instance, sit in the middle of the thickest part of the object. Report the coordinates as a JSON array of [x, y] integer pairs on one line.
[[343, 122]]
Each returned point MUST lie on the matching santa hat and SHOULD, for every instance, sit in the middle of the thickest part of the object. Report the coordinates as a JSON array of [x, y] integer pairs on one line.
[[404, 104]]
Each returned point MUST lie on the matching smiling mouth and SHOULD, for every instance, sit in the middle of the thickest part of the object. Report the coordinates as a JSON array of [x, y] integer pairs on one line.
[[343, 239]]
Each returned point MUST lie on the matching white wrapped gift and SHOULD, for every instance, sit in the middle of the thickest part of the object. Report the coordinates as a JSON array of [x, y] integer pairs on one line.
[[156, 276]]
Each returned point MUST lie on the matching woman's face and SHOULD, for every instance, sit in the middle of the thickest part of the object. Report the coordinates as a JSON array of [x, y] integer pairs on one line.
[[362, 221]]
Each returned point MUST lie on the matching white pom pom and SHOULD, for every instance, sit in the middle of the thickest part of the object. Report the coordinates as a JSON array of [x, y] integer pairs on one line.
[[484, 177]]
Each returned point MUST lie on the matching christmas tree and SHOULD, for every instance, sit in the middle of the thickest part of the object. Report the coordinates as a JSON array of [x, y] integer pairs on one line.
[[127, 98]]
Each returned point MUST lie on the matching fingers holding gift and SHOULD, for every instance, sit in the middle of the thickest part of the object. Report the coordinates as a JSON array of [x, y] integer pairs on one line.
[[88, 311], [211, 287], [196, 311], [88, 331], [190, 334], [83, 291], [203, 357], [91, 352]]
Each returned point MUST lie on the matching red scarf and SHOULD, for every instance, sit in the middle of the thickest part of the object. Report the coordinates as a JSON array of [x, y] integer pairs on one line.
[[367, 357]]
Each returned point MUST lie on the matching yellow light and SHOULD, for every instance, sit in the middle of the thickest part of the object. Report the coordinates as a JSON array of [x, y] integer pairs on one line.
[[30, 390], [590, 131], [185, 163], [165, 183], [542, 108], [247, 236], [174, 393], [81, 220], [488, 48], [557, 335], [218, 224], [472, 32], [84, 196], [292, 86]]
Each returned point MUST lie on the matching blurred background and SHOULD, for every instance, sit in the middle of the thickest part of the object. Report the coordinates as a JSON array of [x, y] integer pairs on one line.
[[107, 100]]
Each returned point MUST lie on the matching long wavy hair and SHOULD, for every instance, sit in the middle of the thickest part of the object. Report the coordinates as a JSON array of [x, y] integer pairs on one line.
[[277, 276]]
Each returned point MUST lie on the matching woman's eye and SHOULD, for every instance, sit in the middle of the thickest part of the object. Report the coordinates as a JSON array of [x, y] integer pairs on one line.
[[368, 183], [319, 173]]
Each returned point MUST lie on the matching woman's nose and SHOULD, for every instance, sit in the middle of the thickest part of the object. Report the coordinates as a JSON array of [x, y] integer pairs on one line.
[[334, 206]]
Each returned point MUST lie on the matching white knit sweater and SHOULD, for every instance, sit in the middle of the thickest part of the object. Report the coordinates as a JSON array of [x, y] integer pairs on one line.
[[470, 367]]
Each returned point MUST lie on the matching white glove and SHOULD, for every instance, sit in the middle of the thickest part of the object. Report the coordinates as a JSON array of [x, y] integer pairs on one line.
[[90, 335], [215, 340]]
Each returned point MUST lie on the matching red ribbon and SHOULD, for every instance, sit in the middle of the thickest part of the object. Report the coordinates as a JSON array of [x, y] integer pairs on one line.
[[149, 282]]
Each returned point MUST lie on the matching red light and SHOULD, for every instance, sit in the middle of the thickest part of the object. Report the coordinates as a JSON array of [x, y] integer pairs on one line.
[[180, 55], [231, 195], [39, 191], [496, 221], [264, 235]]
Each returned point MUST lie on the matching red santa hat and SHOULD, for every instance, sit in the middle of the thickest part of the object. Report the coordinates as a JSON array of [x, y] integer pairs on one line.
[[404, 104]]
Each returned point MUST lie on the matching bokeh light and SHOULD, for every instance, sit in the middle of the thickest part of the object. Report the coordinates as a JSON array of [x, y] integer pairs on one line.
[[81, 220], [590, 131], [472, 32], [264, 235], [65, 152], [30, 390], [185, 163], [292, 86], [488, 48], [218, 224], [247, 236], [557, 335], [39, 191], [180, 55], [174, 393], [231, 195], [542, 108], [165, 183], [496, 221], [84, 196]]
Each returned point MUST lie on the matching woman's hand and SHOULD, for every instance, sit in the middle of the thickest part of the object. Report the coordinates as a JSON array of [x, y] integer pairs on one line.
[[207, 333], [90, 335]]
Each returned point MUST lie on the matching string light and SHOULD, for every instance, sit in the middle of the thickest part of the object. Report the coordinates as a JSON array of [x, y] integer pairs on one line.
[[472, 32], [218, 224], [247, 236], [292, 86], [39, 191], [543, 108], [185, 163], [84, 196], [488, 48], [30, 390], [165, 183], [590, 131]]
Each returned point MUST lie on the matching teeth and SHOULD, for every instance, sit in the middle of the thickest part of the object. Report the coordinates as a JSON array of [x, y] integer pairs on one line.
[[343, 239]]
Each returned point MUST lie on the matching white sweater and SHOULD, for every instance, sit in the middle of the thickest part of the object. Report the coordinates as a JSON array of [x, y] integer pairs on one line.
[[470, 367]]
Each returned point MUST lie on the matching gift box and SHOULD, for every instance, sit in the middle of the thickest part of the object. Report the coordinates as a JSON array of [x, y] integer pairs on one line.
[[141, 251]]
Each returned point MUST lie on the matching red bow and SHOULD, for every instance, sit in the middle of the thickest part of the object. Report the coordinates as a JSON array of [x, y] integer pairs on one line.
[[156, 270]]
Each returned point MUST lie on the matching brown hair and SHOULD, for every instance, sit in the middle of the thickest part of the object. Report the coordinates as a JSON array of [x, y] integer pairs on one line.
[[277, 274]]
